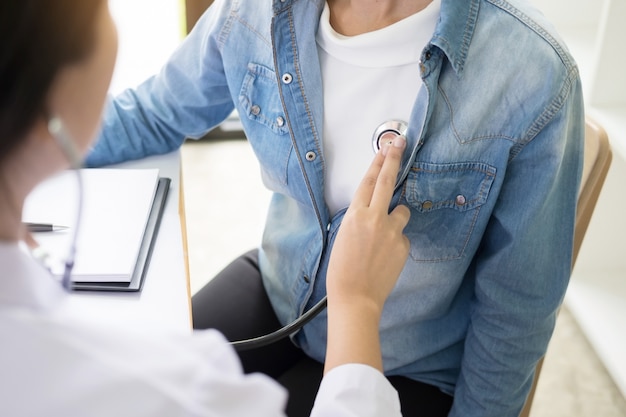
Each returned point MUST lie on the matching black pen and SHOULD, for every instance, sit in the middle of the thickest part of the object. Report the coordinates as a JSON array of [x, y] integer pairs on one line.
[[44, 227]]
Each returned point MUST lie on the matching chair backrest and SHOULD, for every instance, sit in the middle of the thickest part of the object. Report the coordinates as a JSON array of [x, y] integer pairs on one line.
[[193, 11], [598, 158], [595, 168]]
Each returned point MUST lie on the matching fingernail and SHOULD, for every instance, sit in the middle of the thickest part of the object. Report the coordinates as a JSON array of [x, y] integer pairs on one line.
[[399, 142]]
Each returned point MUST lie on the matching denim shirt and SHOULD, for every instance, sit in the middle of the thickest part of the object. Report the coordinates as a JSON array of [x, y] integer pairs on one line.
[[491, 176]]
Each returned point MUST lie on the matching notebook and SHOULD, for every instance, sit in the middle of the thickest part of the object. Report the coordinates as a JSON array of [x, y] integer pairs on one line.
[[122, 209]]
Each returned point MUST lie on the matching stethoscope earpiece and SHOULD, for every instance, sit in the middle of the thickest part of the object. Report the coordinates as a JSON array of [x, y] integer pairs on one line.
[[387, 131]]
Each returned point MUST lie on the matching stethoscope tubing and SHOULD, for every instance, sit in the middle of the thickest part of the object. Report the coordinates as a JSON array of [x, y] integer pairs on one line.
[[285, 331]]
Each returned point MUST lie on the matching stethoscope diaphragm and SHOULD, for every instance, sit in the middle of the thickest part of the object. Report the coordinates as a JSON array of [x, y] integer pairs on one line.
[[387, 131]]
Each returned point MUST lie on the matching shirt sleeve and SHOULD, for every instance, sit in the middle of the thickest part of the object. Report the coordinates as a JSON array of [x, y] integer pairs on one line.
[[522, 269], [355, 390]]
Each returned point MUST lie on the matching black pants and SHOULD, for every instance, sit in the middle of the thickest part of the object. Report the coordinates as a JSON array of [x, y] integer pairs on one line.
[[235, 303]]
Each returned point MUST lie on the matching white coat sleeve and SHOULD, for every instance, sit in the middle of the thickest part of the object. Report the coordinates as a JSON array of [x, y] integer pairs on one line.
[[356, 390]]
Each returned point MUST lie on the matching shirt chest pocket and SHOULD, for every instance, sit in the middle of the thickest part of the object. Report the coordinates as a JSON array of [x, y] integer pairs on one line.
[[445, 202], [262, 114]]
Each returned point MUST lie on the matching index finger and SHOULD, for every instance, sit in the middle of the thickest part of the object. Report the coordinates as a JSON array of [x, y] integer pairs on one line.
[[386, 181], [363, 194]]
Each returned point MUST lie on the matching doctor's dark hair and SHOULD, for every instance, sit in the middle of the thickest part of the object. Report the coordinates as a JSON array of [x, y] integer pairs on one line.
[[37, 39]]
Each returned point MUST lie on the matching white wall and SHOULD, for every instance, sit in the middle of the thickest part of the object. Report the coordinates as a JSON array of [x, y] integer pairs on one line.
[[149, 30], [564, 13]]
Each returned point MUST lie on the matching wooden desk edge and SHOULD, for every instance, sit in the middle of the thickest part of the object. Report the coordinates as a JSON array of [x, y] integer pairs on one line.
[[183, 227]]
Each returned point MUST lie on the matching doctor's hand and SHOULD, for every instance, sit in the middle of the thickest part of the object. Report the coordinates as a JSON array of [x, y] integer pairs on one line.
[[370, 249], [368, 255]]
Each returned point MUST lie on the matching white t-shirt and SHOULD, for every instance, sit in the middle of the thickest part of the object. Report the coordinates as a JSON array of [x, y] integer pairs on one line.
[[53, 363], [367, 79]]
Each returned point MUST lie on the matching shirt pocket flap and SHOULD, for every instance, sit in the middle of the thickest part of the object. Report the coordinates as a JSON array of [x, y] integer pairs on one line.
[[260, 100], [459, 186]]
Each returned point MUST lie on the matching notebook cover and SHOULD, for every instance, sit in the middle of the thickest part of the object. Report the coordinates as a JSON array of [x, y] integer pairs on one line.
[[145, 251]]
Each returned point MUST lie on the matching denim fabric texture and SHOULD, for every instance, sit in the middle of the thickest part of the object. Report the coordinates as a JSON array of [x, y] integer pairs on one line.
[[491, 176]]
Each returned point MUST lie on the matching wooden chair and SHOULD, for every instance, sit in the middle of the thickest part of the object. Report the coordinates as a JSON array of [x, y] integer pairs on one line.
[[596, 165]]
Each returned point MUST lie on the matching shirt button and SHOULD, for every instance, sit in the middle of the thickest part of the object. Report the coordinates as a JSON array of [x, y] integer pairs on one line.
[[306, 279], [427, 55], [426, 205], [280, 121], [287, 78], [255, 110], [459, 200], [310, 156]]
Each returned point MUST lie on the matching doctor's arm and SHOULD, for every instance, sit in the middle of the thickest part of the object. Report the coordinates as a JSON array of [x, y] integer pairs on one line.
[[368, 255]]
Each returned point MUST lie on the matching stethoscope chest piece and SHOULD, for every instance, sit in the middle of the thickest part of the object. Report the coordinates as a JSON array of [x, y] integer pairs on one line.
[[387, 131]]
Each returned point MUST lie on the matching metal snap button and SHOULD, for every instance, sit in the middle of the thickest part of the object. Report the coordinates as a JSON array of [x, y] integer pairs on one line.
[[287, 78], [255, 110], [427, 205], [280, 121], [310, 156], [459, 200]]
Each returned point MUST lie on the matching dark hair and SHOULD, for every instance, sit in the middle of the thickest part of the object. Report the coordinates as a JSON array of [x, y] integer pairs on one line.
[[37, 39]]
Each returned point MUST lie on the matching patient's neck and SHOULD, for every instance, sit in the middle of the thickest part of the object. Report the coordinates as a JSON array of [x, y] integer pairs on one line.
[[355, 17]]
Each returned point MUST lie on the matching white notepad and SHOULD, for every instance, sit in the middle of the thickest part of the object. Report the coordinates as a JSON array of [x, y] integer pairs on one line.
[[116, 209]]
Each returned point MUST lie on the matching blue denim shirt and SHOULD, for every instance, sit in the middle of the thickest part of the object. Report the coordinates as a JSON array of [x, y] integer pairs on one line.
[[491, 175]]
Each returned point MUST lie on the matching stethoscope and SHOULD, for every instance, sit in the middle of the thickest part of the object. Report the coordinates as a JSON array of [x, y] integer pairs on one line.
[[383, 134], [67, 146]]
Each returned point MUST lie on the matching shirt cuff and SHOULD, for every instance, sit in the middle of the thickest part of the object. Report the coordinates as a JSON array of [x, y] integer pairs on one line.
[[356, 390]]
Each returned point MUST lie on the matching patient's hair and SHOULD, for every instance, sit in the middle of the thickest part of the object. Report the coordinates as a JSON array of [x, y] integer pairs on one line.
[[37, 39]]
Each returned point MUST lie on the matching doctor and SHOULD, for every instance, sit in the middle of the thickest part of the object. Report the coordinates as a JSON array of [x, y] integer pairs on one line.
[[56, 60]]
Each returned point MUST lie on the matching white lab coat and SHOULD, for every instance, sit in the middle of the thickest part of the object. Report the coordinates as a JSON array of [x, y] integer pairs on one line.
[[53, 363]]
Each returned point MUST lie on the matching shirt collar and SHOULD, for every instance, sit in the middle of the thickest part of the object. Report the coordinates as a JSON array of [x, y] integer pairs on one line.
[[454, 32]]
